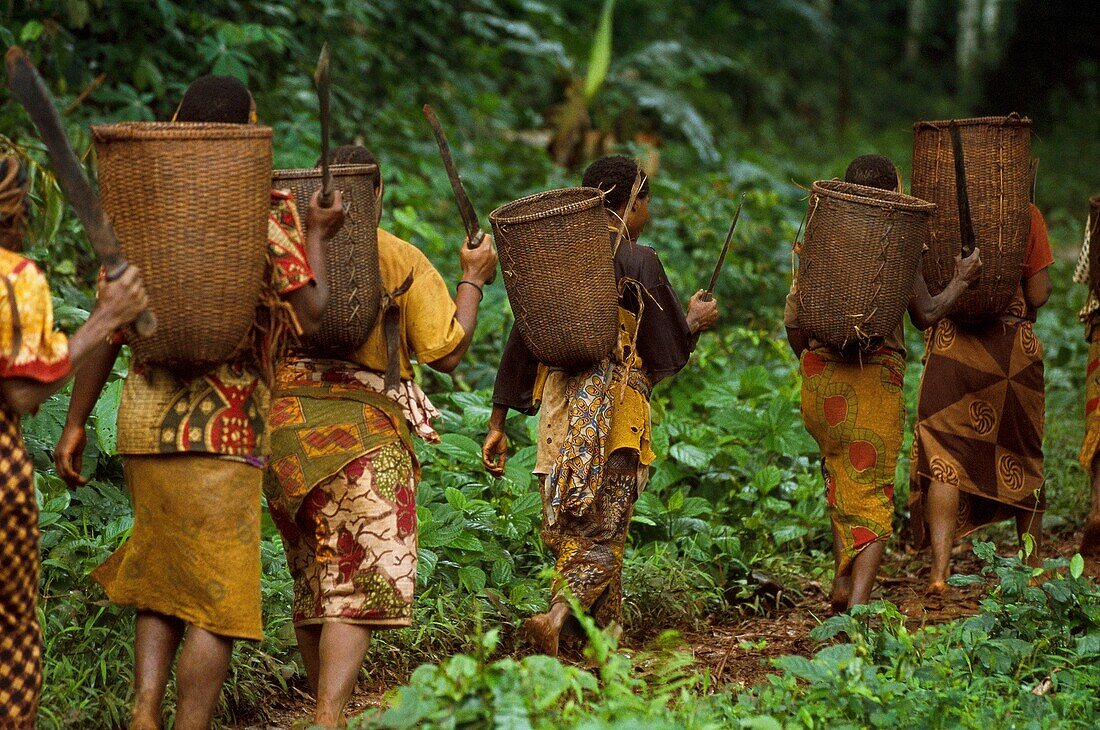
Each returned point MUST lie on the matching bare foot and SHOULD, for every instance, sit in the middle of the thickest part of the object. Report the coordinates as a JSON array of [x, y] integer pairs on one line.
[[540, 631], [936, 588], [842, 591], [1090, 541], [143, 722]]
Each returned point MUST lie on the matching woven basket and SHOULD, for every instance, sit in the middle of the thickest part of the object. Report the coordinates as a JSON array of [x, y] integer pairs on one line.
[[355, 283], [555, 256], [997, 153], [1094, 243], [857, 263], [190, 204]]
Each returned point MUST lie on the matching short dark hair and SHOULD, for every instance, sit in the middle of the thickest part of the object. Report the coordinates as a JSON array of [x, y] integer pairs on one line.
[[221, 99], [350, 154], [873, 171], [614, 175]]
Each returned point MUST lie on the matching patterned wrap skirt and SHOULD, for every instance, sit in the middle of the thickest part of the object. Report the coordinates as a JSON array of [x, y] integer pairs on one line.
[[20, 636], [194, 550], [980, 418], [856, 413], [1092, 403], [352, 544]]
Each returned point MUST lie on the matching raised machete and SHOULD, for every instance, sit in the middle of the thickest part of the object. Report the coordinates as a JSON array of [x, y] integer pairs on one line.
[[962, 195], [321, 80], [708, 293], [27, 86]]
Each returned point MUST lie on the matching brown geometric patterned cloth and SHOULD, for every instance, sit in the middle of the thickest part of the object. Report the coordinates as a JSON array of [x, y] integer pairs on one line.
[[20, 637], [588, 548], [980, 423]]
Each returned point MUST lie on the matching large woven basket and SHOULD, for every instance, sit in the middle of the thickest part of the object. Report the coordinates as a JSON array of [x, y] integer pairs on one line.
[[1094, 243], [997, 152], [857, 262], [355, 283], [555, 257], [190, 204]]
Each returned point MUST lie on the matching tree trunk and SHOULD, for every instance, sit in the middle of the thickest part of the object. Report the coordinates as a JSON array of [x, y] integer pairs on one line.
[[967, 47], [991, 26], [918, 17]]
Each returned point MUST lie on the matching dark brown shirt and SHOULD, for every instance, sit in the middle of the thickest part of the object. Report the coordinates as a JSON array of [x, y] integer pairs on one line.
[[665, 341]]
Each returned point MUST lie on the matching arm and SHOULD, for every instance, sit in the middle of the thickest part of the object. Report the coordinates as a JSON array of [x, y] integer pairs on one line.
[[494, 451], [69, 452], [321, 225], [119, 304], [1037, 289], [478, 265], [798, 341], [925, 310]]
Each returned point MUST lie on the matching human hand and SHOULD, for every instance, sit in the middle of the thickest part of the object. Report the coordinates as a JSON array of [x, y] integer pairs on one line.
[[326, 220], [478, 264], [122, 300], [494, 452], [969, 269], [68, 456], [701, 314]]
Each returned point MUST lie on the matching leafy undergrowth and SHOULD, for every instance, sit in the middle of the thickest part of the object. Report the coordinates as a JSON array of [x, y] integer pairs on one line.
[[1027, 659]]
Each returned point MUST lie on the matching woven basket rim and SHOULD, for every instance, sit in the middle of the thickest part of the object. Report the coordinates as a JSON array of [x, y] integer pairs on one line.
[[1009, 120], [125, 131], [299, 173], [876, 197], [594, 198]]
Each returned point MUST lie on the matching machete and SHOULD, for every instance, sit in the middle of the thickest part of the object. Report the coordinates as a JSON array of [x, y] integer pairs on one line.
[[962, 195], [27, 86], [465, 207], [708, 293], [321, 79]]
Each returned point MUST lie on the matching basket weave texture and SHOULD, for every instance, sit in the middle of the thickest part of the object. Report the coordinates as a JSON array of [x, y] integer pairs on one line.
[[1094, 243], [190, 204], [355, 282], [556, 260], [857, 262], [997, 152]]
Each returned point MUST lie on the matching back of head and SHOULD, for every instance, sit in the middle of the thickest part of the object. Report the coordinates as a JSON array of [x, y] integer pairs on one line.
[[873, 171], [614, 175], [350, 154], [220, 99]]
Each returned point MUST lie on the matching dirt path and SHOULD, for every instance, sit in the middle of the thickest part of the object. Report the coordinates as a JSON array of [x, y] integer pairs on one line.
[[737, 650]]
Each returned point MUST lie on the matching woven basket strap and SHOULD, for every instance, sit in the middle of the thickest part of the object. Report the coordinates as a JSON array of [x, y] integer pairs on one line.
[[16, 326], [391, 320]]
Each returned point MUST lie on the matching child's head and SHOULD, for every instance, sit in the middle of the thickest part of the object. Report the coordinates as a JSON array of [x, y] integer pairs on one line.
[[614, 175], [873, 171], [217, 99], [355, 154], [13, 203]]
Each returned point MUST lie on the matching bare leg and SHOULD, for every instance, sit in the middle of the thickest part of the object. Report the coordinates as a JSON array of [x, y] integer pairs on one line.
[[942, 512], [842, 582], [1031, 523], [1090, 541], [864, 571], [309, 645], [544, 629], [203, 664], [342, 649], [156, 640]]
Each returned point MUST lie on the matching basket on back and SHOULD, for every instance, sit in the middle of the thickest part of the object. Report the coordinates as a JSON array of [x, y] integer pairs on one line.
[[1094, 243], [355, 283], [555, 256], [858, 259], [190, 204], [997, 153]]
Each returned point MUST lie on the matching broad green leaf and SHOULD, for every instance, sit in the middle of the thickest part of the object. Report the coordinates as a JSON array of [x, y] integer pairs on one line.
[[599, 60], [1076, 565]]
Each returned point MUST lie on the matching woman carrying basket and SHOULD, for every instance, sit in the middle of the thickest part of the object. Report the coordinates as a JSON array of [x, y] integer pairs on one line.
[[585, 525], [193, 449], [1089, 457], [978, 441], [854, 408], [35, 362], [343, 475]]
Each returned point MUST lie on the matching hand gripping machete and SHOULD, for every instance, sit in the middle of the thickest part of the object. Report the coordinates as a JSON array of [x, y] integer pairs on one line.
[[27, 86]]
